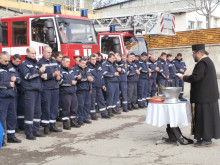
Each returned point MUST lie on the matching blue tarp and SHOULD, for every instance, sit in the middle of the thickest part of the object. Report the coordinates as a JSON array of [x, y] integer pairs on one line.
[[1, 134]]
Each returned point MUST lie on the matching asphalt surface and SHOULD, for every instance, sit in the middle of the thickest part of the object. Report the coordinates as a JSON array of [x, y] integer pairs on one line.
[[123, 140]]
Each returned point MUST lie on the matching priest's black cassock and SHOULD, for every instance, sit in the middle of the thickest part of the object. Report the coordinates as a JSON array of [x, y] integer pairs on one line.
[[204, 93]]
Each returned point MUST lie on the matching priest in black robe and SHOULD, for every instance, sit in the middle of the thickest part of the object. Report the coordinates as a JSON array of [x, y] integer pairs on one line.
[[204, 95]]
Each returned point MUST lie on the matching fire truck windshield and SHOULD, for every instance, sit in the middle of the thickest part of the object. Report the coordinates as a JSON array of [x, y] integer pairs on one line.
[[136, 45], [76, 31]]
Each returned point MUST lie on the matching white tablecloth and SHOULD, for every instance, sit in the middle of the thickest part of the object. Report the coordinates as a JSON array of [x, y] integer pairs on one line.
[[159, 114]]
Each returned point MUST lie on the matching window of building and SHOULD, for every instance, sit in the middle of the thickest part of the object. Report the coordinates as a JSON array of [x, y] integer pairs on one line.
[[199, 24], [191, 25], [19, 33], [5, 33]]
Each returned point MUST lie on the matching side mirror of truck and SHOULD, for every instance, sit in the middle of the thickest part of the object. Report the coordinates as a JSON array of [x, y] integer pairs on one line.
[[116, 41], [50, 36], [49, 23]]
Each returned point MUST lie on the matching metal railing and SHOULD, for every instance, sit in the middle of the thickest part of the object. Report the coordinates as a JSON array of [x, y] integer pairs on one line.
[[45, 7]]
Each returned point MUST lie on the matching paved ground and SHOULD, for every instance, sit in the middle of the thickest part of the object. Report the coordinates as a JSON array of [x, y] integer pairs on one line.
[[123, 140]]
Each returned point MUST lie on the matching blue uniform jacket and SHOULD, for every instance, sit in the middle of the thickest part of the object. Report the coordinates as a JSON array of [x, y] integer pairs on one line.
[[51, 65], [123, 74], [14, 71], [143, 68], [109, 70], [179, 64], [152, 66], [172, 69], [67, 76], [30, 75], [131, 74], [100, 63], [164, 71], [5, 78], [83, 84], [97, 73]]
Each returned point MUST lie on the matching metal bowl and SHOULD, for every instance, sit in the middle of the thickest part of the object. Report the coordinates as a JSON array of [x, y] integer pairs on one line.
[[171, 94]]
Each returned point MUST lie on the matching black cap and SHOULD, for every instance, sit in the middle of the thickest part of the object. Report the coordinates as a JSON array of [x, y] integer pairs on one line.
[[198, 47]]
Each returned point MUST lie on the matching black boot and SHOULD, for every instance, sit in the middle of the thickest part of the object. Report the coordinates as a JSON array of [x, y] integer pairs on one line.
[[125, 110], [74, 123], [47, 129], [66, 125], [13, 140], [38, 134], [110, 112], [105, 116], [30, 137], [134, 106], [94, 117], [130, 107], [53, 128], [115, 111]]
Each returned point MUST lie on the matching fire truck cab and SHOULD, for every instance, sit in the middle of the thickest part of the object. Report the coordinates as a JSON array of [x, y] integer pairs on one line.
[[122, 43], [72, 35]]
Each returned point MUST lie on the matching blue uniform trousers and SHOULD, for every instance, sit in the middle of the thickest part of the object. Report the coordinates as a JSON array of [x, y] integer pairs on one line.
[[97, 98], [152, 84], [142, 91], [69, 105], [112, 94], [8, 114], [32, 111], [162, 82], [20, 110], [123, 87], [49, 105], [132, 92], [84, 103], [180, 83]]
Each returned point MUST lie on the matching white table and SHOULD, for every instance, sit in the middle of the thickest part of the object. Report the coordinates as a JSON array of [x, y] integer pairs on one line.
[[159, 114]]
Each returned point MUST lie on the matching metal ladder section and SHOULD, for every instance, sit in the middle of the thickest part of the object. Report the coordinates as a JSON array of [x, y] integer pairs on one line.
[[138, 24]]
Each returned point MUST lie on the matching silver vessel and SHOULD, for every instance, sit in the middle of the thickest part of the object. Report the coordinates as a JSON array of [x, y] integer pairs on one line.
[[171, 94]]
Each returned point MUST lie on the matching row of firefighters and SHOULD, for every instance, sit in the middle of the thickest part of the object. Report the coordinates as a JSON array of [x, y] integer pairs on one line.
[[33, 92]]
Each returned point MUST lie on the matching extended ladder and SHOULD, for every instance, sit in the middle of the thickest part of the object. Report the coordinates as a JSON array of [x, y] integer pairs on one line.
[[155, 23]]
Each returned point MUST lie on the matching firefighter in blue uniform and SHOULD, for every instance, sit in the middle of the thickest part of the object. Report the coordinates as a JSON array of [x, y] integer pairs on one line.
[[76, 60], [181, 68], [163, 74], [111, 74], [152, 80], [97, 86], [68, 98], [7, 99], [132, 76], [84, 87], [123, 83], [58, 57], [32, 86], [50, 93], [142, 85], [172, 70], [14, 63]]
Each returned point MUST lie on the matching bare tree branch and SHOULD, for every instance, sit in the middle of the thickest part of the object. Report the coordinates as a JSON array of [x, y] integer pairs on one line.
[[204, 7]]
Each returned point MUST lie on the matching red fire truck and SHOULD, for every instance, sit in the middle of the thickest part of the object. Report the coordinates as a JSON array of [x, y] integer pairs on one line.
[[73, 35], [126, 34]]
